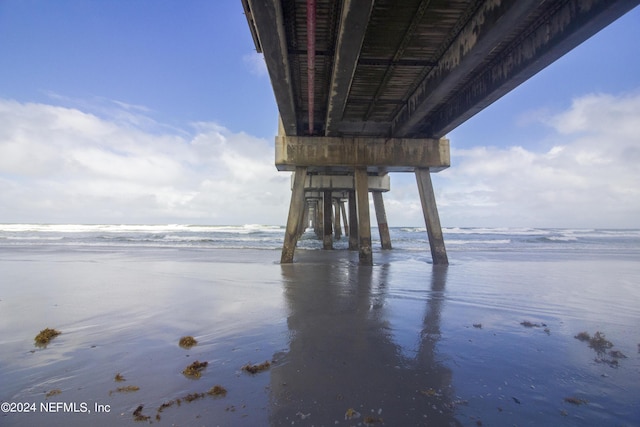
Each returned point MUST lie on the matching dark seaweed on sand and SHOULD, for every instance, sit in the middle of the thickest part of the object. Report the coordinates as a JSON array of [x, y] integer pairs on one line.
[[574, 400], [46, 335], [53, 392], [600, 343], [254, 369], [195, 369], [137, 414], [187, 342], [215, 391], [528, 324]]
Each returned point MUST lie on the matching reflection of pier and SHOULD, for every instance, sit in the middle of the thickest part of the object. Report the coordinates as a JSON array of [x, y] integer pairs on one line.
[[343, 355]]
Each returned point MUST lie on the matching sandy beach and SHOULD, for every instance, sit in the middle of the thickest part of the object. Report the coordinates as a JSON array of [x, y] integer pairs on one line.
[[489, 340]]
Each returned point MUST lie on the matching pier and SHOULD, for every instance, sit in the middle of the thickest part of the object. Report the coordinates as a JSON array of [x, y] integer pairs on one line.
[[367, 88]]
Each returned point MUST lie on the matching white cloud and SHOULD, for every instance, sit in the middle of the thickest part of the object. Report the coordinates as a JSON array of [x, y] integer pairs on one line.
[[63, 165], [66, 165], [589, 178]]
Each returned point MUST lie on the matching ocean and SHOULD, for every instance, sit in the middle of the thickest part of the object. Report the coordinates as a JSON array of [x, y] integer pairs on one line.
[[524, 327], [255, 236]]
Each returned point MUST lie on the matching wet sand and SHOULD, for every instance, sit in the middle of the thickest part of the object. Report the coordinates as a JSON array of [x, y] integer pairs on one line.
[[401, 343]]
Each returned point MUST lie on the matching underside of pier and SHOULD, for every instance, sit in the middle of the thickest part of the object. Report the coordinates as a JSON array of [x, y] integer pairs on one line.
[[369, 87]]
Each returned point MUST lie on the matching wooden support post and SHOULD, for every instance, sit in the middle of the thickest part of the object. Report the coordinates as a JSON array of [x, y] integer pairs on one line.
[[295, 212], [364, 221], [327, 235], [353, 222], [337, 233], [344, 217], [431, 218], [381, 216]]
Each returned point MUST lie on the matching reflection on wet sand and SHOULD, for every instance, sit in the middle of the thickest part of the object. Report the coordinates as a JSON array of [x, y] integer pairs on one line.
[[343, 366]]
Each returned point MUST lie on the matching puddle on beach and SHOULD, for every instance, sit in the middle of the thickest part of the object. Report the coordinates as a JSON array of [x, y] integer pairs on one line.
[[482, 342]]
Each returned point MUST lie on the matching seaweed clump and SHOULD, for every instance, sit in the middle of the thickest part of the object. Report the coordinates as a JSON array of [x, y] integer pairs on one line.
[[193, 396], [599, 342], [195, 369], [574, 400], [254, 369], [46, 335], [583, 336], [217, 390], [165, 406], [528, 324], [137, 414], [119, 378], [187, 342], [617, 354], [53, 392], [128, 389]]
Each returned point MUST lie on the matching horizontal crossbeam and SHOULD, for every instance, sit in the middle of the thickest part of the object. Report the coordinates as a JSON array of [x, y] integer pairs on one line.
[[329, 154]]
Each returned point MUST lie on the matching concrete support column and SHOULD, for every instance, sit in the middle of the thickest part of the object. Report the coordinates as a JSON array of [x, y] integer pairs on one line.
[[381, 216], [295, 212], [353, 222], [305, 218], [327, 232], [302, 225], [312, 214], [344, 217], [320, 219], [364, 221], [431, 218], [337, 232]]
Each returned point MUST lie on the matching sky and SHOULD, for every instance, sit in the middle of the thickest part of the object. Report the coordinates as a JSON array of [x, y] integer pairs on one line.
[[161, 111]]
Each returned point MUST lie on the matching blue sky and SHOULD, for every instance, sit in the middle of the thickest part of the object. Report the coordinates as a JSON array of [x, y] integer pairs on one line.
[[162, 112]]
